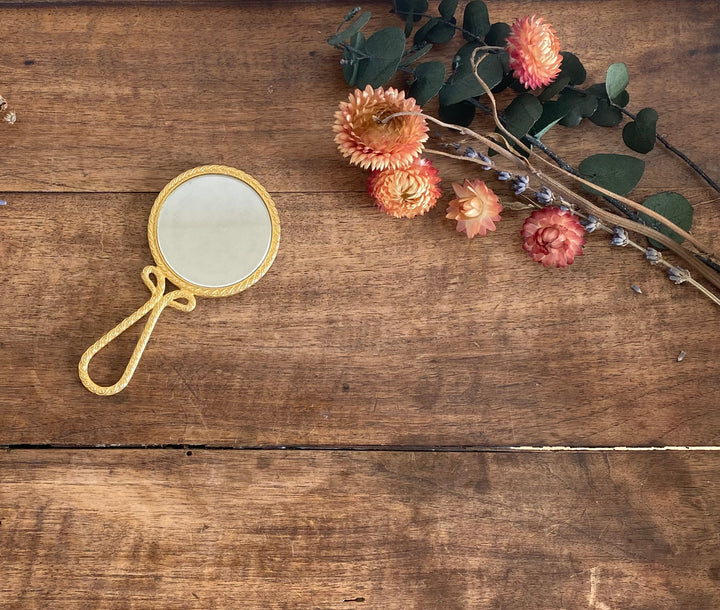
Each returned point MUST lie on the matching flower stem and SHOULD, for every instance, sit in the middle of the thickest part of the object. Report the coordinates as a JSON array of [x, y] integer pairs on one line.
[[676, 151]]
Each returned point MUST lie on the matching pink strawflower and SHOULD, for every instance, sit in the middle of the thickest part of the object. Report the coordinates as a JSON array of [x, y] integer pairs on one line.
[[372, 144], [534, 52], [406, 191], [553, 237], [476, 208]]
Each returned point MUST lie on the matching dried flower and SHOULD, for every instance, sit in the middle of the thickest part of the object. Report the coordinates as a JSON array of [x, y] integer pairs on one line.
[[678, 275], [10, 117], [590, 223], [553, 237], [620, 237], [406, 191], [370, 143], [503, 175], [653, 256], [519, 184], [534, 52], [545, 196], [476, 208]]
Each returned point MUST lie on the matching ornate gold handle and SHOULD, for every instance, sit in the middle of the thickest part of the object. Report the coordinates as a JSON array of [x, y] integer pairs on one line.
[[155, 305]]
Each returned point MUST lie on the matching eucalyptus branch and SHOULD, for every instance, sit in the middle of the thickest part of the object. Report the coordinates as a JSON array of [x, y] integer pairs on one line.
[[473, 37], [676, 151], [629, 202]]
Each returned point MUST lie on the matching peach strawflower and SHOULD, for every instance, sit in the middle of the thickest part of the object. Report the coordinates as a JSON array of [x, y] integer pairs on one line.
[[553, 237], [406, 191], [371, 144], [534, 52], [476, 208]]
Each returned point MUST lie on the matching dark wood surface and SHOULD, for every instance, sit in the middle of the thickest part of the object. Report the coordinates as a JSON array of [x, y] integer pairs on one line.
[[367, 332], [258, 529]]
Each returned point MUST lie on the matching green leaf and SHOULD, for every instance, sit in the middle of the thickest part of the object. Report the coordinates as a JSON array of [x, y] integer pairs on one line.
[[463, 84], [476, 20], [554, 88], [497, 34], [552, 113], [447, 8], [582, 105], [351, 30], [572, 67], [350, 69], [429, 77], [521, 114], [617, 173], [410, 7], [672, 206], [414, 56], [385, 48], [622, 100], [616, 80], [606, 114], [436, 31], [461, 113], [639, 135]]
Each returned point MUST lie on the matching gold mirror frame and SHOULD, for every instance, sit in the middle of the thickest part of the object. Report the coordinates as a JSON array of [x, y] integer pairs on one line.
[[182, 299]]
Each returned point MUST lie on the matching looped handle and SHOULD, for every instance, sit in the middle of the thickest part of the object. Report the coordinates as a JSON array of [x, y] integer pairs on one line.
[[154, 279]]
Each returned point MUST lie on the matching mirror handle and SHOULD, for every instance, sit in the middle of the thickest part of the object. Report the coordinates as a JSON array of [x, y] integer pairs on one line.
[[155, 305]]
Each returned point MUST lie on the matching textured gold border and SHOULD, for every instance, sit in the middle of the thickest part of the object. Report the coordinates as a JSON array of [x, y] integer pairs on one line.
[[203, 290]]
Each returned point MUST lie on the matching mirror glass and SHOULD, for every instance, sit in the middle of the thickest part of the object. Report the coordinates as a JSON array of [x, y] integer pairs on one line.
[[214, 230]]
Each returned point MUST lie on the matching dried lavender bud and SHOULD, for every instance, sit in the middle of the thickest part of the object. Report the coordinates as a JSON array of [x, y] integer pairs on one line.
[[653, 256], [544, 196], [504, 175], [620, 237], [678, 275], [590, 223]]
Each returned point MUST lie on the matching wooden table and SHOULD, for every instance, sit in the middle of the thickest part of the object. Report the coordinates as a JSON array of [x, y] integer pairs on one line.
[[344, 433]]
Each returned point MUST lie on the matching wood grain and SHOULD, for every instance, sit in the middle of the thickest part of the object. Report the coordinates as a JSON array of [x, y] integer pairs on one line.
[[121, 96], [404, 334], [218, 529]]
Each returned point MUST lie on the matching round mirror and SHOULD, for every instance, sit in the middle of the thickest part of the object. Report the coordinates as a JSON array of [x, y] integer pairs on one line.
[[214, 231]]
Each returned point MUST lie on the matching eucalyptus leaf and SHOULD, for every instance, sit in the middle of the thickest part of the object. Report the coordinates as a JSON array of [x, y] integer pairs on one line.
[[622, 100], [447, 8], [442, 32], [436, 31], [521, 114], [429, 78], [617, 173], [606, 115], [416, 8], [554, 88], [675, 208], [351, 30], [352, 65], [385, 48], [582, 105], [415, 55], [476, 21], [552, 113], [616, 80], [497, 34], [572, 67], [463, 84], [639, 135], [461, 113]]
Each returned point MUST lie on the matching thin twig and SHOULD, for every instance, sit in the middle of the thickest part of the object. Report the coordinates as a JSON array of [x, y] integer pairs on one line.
[[679, 153]]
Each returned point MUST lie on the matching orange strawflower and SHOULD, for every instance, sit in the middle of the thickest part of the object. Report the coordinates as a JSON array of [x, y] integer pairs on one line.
[[553, 237], [371, 144], [476, 208], [534, 52], [406, 191]]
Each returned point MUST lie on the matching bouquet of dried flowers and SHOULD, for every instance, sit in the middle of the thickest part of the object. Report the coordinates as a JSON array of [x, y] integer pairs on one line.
[[385, 130]]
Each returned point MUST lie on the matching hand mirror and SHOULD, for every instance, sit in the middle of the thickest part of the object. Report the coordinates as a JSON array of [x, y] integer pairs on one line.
[[213, 231]]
